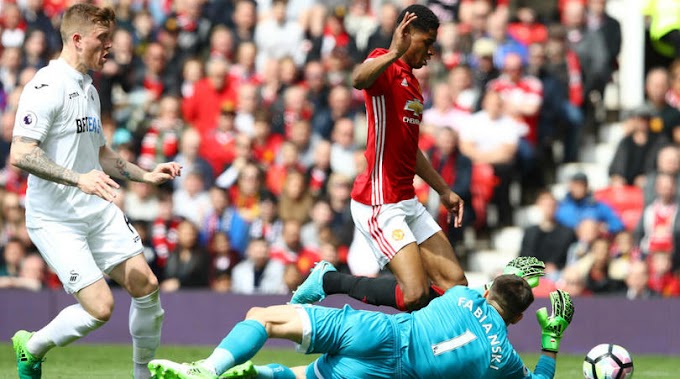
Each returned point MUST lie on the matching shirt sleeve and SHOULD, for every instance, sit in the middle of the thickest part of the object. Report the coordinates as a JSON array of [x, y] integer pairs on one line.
[[382, 83], [38, 106]]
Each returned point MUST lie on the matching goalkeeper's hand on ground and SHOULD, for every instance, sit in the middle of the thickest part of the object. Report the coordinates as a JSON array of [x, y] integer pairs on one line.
[[553, 326], [529, 268]]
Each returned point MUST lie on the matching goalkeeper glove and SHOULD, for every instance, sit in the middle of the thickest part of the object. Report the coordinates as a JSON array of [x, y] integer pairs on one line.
[[553, 326], [529, 268]]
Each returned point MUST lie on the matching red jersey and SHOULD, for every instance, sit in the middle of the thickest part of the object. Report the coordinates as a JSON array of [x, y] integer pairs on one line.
[[529, 89], [394, 109]]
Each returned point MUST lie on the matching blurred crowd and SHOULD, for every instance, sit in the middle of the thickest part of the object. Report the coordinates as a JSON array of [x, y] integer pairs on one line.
[[253, 99]]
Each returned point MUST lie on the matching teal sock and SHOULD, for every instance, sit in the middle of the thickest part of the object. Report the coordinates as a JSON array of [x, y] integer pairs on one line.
[[242, 343], [274, 371]]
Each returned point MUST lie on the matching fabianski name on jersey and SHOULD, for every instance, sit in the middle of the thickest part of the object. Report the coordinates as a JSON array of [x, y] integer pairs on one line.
[[88, 124]]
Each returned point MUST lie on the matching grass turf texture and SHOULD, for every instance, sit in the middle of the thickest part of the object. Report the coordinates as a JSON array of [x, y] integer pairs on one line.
[[113, 361]]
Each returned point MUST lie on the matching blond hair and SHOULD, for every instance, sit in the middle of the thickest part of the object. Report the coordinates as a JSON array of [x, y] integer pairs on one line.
[[80, 18]]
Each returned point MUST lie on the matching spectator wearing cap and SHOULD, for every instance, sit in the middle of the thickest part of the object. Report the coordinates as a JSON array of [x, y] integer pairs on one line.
[[484, 70], [203, 108], [657, 85], [636, 153], [579, 204]]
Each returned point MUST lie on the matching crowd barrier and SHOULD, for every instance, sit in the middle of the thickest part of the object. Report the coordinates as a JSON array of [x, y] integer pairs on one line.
[[203, 317]]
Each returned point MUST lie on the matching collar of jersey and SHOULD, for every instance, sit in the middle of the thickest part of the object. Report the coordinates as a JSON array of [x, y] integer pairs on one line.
[[82, 79]]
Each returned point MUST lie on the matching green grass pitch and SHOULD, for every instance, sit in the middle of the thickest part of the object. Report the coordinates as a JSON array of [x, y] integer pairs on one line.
[[112, 361]]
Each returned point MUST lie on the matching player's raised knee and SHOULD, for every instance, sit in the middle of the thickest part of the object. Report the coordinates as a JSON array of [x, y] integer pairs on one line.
[[255, 313], [101, 311], [416, 298]]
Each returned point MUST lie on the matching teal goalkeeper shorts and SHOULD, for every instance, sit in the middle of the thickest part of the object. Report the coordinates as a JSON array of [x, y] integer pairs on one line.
[[354, 344]]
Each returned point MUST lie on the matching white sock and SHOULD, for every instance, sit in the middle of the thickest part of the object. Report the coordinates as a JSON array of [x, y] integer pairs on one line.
[[218, 358], [72, 323], [146, 320]]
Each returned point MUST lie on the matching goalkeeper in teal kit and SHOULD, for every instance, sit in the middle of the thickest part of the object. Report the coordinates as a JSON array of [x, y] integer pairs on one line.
[[461, 334]]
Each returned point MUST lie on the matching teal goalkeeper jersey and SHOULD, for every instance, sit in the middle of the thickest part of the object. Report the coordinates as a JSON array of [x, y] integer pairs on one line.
[[459, 335]]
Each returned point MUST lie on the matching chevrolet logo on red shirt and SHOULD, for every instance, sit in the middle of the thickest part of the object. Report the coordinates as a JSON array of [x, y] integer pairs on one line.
[[414, 106]]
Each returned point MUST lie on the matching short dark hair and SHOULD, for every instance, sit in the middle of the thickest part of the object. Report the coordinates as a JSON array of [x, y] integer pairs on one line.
[[426, 19], [512, 294]]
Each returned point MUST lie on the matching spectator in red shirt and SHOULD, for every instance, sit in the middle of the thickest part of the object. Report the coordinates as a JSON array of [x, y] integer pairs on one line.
[[527, 30], [218, 145], [161, 141], [522, 97], [659, 227], [266, 145], [661, 278], [202, 109]]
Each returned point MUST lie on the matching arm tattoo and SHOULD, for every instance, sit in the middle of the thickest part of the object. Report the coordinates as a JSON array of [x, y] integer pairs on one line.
[[37, 163], [121, 166]]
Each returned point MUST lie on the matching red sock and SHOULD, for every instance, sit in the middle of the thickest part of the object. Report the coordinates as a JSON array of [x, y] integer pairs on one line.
[[438, 290], [399, 297]]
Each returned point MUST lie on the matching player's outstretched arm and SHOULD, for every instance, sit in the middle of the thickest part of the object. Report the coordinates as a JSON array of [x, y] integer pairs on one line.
[[553, 326], [552, 330], [366, 73], [114, 165]]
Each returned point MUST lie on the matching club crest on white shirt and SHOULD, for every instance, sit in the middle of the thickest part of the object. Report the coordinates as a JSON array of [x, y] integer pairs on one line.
[[29, 119]]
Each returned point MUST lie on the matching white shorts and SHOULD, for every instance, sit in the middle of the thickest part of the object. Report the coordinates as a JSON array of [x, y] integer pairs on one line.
[[78, 251], [390, 227]]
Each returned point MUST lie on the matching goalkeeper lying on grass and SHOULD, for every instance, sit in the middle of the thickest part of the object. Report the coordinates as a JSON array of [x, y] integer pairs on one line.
[[461, 334]]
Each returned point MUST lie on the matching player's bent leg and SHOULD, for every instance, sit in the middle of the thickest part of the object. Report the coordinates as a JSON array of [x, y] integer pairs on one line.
[[441, 263], [146, 313], [280, 321], [73, 322], [412, 280], [248, 336]]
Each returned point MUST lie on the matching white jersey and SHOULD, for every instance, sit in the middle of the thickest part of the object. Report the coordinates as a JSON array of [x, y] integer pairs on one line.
[[60, 108]]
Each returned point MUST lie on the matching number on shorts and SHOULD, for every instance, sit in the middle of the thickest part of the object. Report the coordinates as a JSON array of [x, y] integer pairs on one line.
[[454, 343]]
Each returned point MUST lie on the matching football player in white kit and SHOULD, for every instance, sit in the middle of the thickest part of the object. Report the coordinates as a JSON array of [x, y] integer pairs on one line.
[[70, 216]]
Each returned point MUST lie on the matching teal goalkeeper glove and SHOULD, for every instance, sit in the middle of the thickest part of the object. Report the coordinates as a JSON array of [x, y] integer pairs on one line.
[[553, 326]]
